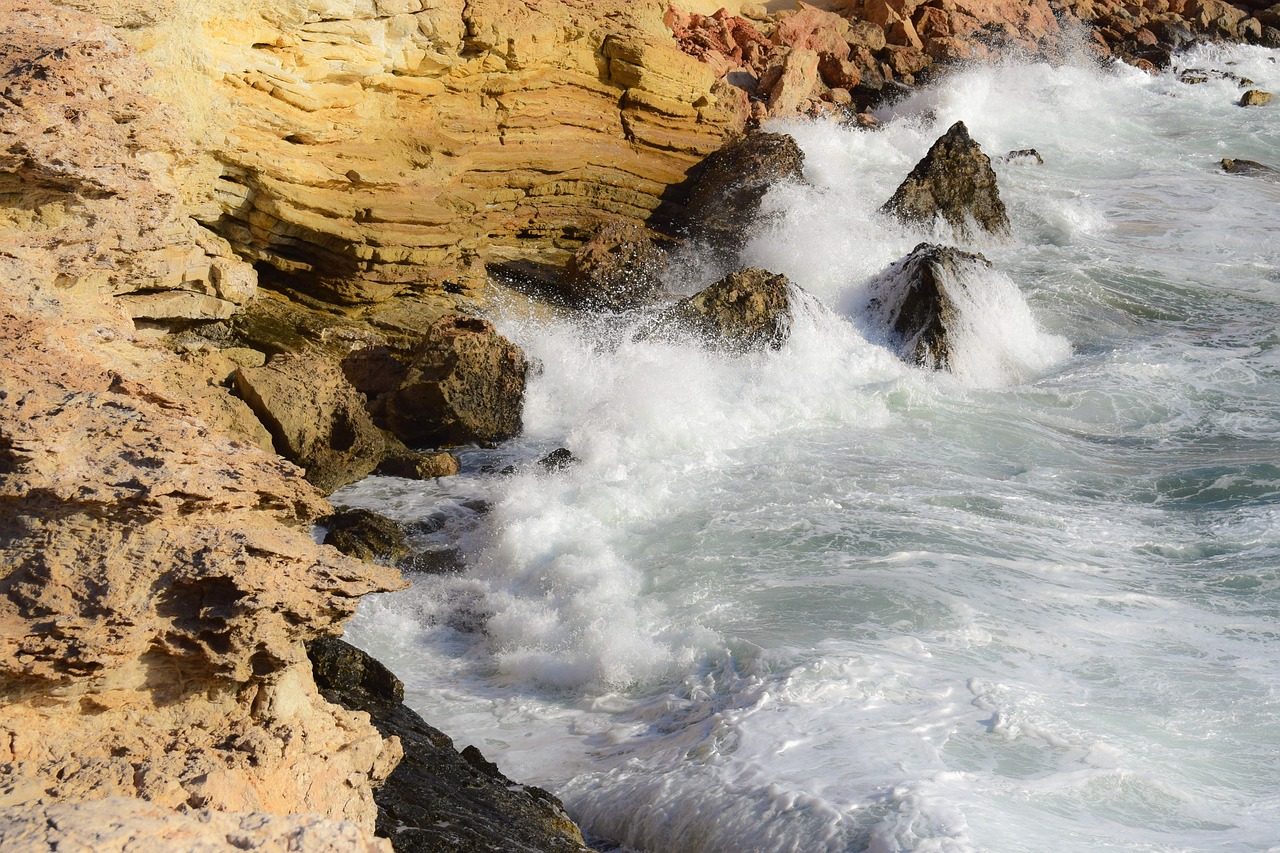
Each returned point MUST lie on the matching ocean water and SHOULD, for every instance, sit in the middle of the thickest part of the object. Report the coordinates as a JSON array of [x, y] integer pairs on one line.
[[821, 600]]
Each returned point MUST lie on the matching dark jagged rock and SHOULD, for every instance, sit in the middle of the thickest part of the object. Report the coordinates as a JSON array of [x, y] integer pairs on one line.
[[316, 419], [366, 535], [411, 465], [1023, 154], [466, 384], [745, 311], [914, 299], [724, 190], [558, 459], [438, 799], [1250, 167], [955, 183], [617, 269]]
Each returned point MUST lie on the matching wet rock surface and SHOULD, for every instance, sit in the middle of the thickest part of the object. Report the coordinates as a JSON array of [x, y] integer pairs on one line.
[[953, 183], [746, 311], [619, 268], [439, 799], [915, 301], [725, 190], [365, 535], [1251, 168]]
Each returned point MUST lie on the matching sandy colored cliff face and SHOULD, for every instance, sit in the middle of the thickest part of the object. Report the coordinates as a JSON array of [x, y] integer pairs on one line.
[[368, 146]]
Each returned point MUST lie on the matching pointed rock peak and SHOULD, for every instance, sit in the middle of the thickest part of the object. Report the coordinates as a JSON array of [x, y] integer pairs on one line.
[[954, 183], [914, 299]]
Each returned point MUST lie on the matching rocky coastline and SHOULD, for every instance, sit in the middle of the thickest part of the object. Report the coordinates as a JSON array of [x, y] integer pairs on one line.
[[245, 254]]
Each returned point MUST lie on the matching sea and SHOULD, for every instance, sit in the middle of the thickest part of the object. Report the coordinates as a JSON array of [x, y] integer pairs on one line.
[[822, 599]]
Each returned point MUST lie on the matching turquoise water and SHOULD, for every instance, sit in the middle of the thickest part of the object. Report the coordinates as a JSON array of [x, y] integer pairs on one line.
[[819, 600]]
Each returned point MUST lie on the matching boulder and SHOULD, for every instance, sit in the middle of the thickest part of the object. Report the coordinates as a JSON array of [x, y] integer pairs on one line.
[[411, 465], [745, 311], [1255, 98], [725, 190], [465, 385], [365, 535], [914, 300], [953, 183], [1250, 167], [438, 798], [1028, 155], [560, 459], [316, 419], [617, 269]]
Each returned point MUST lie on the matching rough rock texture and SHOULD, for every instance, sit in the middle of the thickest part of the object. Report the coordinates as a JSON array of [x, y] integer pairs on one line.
[[411, 465], [92, 172], [1255, 98], [465, 385], [619, 268], [954, 183], [722, 196], [749, 310], [368, 147], [914, 300], [439, 799], [316, 419], [1252, 168], [156, 586], [117, 825], [365, 534]]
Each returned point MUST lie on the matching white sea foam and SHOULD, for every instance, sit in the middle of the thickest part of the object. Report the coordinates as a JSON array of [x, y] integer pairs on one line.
[[820, 600]]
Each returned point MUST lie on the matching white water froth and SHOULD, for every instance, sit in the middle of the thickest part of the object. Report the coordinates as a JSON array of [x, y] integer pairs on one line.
[[820, 600]]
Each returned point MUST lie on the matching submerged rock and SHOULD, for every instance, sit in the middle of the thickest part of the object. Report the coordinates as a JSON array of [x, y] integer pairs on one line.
[[559, 459], [745, 311], [365, 535], [914, 300], [437, 798], [1250, 167], [1255, 98], [466, 384], [316, 419], [619, 268], [1029, 155], [724, 190], [954, 182]]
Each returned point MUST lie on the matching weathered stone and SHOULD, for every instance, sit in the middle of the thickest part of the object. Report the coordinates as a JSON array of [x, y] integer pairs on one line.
[[365, 535], [437, 798], [749, 310], [1251, 168], [914, 300], [954, 183], [1255, 98], [619, 268], [725, 190], [316, 419], [559, 459], [411, 465], [1029, 155], [466, 385], [119, 824]]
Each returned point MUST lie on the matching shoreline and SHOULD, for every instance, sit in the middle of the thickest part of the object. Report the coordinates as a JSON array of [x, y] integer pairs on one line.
[[187, 296]]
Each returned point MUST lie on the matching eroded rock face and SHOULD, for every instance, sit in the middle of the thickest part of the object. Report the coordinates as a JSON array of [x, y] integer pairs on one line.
[[749, 310], [954, 183], [158, 582], [120, 824], [619, 268], [914, 300], [725, 190], [316, 419], [466, 385], [438, 798], [91, 171]]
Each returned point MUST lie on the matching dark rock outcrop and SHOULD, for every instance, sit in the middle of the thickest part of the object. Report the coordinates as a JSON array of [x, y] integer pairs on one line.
[[914, 299], [466, 384], [1250, 167], [954, 183], [725, 190], [316, 419], [411, 465], [745, 311], [437, 798], [560, 459], [365, 535], [619, 268]]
